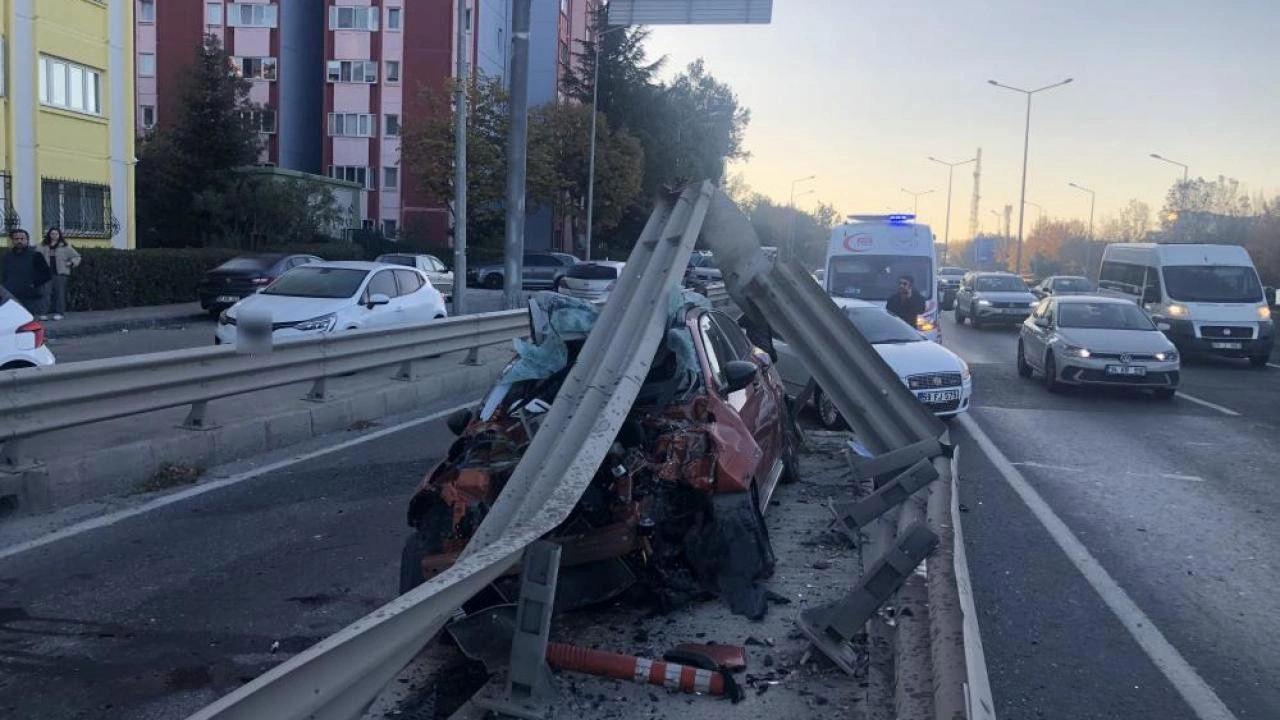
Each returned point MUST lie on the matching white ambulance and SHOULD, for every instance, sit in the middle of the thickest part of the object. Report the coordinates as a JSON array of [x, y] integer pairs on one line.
[[866, 256]]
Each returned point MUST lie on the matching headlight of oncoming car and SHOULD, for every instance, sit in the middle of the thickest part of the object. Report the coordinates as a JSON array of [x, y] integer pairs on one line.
[[1077, 352], [965, 373], [1167, 356], [1264, 312], [324, 323], [984, 302], [924, 324], [1177, 310]]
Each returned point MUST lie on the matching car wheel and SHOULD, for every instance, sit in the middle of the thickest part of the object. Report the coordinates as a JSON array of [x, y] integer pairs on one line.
[[492, 281], [1165, 393], [828, 414], [1024, 368], [1259, 360], [1051, 374], [16, 365]]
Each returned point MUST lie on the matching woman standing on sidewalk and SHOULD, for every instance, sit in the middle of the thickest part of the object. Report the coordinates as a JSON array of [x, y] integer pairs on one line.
[[61, 258]]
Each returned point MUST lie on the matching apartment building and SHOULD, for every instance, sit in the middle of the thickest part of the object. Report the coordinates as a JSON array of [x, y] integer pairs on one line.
[[338, 78], [67, 157]]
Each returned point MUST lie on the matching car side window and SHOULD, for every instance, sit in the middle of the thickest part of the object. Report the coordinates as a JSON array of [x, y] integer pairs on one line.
[[383, 282], [409, 281], [435, 265], [737, 339], [716, 346]]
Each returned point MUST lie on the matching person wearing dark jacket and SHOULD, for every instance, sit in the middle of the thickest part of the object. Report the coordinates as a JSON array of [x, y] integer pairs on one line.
[[25, 270], [906, 303]]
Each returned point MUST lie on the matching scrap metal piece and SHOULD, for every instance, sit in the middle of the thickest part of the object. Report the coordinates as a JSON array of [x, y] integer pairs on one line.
[[830, 627], [854, 516]]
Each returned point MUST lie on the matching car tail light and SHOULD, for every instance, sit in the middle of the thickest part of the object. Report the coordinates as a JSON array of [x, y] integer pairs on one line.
[[34, 327]]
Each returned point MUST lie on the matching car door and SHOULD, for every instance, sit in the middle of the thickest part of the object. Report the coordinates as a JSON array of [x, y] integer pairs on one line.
[[415, 303], [964, 294], [760, 404], [383, 282], [794, 374], [439, 275], [1035, 338], [536, 270]]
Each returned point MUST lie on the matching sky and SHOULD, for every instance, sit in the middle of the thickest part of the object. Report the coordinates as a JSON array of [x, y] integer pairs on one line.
[[861, 92]]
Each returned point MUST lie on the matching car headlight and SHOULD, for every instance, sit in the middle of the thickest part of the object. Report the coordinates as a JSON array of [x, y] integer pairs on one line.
[[925, 325], [1177, 310], [984, 302], [324, 323], [1076, 352], [1264, 312], [965, 373], [224, 318], [1166, 356]]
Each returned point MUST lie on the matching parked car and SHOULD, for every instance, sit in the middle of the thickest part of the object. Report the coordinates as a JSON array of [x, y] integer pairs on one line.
[[21, 336], [949, 279], [243, 276], [335, 296], [542, 271], [677, 505], [1063, 285], [937, 376], [591, 281], [441, 277], [1095, 340], [702, 269], [993, 298]]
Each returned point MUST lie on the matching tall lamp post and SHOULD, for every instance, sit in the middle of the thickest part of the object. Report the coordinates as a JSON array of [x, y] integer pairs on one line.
[[915, 197], [1092, 197], [946, 233], [1026, 146], [791, 244], [1162, 158], [591, 155], [1039, 209]]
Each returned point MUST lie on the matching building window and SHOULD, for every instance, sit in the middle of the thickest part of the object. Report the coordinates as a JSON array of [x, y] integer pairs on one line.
[[351, 125], [252, 15], [148, 117], [146, 65], [391, 178], [256, 68], [389, 229], [393, 71], [353, 71], [146, 11], [213, 14], [352, 173], [263, 120], [80, 209], [394, 19], [467, 21], [70, 86], [393, 125], [353, 18]]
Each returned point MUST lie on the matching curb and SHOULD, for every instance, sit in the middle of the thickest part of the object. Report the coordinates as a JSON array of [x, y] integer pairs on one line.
[[56, 332]]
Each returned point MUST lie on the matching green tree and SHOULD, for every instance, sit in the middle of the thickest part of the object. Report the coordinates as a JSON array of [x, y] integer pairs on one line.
[[1206, 211], [258, 212], [213, 134]]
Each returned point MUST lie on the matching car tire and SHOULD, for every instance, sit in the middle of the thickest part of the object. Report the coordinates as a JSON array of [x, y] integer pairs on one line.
[[1165, 393], [1024, 367], [1259, 361], [492, 281], [828, 416], [1051, 382]]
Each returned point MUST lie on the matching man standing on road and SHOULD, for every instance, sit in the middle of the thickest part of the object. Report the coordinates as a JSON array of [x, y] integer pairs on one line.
[[906, 303], [25, 270]]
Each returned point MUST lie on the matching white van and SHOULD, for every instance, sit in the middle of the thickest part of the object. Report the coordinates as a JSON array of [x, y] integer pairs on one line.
[[1206, 298], [866, 257]]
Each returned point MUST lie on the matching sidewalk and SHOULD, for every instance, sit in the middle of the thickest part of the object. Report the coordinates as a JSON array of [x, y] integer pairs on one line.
[[106, 321]]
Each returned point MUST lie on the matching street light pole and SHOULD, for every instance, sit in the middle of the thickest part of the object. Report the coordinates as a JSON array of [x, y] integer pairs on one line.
[[1092, 197], [1039, 209], [946, 234], [791, 241], [1185, 169], [1026, 147], [460, 167], [517, 155], [591, 155], [915, 196]]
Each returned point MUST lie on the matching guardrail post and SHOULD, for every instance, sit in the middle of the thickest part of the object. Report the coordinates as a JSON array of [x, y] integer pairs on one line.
[[11, 456], [529, 679], [196, 419], [855, 516], [405, 373], [473, 357], [318, 391]]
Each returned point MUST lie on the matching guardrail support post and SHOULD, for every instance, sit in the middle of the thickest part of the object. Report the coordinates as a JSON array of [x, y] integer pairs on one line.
[[405, 373], [473, 357], [11, 455], [196, 419], [852, 517], [529, 680], [318, 392]]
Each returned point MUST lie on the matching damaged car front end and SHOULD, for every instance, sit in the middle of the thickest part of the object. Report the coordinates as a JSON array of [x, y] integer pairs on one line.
[[675, 511]]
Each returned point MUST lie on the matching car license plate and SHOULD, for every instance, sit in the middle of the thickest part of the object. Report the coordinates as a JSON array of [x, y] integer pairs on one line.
[[227, 299], [1127, 370], [939, 396], [1227, 346]]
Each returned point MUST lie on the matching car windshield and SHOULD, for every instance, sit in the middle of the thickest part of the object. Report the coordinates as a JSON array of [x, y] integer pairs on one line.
[[318, 282], [999, 283], [249, 263], [592, 271], [952, 271], [702, 261], [1103, 316], [875, 277], [1212, 283], [879, 327], [1071, 284]]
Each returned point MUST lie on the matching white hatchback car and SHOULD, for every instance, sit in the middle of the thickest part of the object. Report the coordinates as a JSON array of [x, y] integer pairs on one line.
[[335, 296], [21, 336], [937, 376], [591, 281]]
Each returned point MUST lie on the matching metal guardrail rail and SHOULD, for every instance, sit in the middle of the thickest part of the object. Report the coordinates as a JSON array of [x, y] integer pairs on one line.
[[338, 677]]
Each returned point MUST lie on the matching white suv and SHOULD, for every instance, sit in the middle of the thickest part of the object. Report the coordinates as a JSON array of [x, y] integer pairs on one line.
[[21, 336]]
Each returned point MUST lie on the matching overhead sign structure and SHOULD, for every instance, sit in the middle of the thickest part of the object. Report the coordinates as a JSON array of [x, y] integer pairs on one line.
[[690, 12]]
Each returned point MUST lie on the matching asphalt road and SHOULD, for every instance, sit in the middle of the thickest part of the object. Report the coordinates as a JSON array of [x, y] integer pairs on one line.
[[1175, 501], [196, 333]]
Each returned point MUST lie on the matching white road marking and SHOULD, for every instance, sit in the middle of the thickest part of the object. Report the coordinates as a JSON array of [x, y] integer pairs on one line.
[[1194, 690], [1130, 473], [116, 517], [1273, 365], [1206, 403]]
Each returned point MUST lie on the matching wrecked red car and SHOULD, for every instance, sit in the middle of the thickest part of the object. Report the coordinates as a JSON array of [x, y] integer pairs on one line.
[[676, 509]]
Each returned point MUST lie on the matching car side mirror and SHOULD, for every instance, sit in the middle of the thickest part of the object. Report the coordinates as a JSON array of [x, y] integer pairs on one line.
[[738, 374], [377, 299]]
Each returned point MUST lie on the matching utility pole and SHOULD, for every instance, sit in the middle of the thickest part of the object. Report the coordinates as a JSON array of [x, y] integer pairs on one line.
[[460, 166], [946, 234], [1092, 197], [517, 155]]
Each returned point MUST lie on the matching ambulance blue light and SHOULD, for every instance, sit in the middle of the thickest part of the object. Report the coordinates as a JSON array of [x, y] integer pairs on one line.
[[901, 219]]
